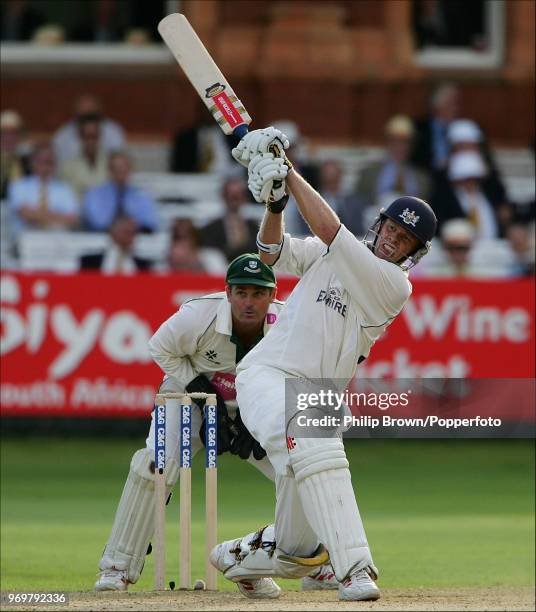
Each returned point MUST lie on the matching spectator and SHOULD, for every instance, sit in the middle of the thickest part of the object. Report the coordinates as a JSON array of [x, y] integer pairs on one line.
[[49, 35], [232, 234], [457, 242], [14, 152], [118, 258], [520, 235], [103, 21], [186, 255], [40, 201], [431, 146], [394, 175], [462, 194], [465, 135], [119, 198], [90, 167], [19, 20], [66, 140], [202, 148], [343, 203]]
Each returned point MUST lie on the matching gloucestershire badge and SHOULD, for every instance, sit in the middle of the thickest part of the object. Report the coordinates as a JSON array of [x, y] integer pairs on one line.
[[409, 217]]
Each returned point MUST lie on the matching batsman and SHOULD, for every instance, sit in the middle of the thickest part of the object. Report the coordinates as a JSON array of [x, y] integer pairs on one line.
[[349, 291], [198, 349]]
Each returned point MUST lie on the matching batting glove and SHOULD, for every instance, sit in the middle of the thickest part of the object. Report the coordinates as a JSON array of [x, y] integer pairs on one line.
[[260, 141], [266, 175]]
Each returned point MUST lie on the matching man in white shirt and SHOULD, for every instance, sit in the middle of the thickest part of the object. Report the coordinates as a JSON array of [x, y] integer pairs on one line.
[[466, 171], [118, 258], [198, 349], [67, 143], [41, 201], [349, 292], [90, 168]]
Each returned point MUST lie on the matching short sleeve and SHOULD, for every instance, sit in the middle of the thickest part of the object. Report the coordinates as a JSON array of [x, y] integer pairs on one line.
[[298, 255], [379, 288]]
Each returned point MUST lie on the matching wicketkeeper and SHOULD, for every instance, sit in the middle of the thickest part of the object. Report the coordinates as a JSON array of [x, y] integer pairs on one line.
[[198, 348]]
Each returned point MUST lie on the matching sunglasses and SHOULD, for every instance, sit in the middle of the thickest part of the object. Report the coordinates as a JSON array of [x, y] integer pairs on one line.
[[460, 248]]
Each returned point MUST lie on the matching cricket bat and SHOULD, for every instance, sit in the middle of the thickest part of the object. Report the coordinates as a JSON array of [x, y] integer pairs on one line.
[[206, 78]]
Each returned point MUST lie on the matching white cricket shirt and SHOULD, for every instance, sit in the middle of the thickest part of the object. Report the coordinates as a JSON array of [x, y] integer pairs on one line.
[[343, 303], [197, 340]]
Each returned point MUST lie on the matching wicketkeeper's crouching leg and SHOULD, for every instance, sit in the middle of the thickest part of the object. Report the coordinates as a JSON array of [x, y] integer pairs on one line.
[[124, 555], [133, 527]]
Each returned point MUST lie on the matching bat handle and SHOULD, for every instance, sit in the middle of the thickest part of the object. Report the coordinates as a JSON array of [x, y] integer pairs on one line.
[[240, 131]]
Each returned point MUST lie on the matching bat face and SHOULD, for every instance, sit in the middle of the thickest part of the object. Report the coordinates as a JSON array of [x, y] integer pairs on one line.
[[204, 75]]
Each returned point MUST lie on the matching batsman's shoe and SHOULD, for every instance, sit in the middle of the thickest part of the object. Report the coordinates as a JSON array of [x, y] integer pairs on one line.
[[359, 586], [320, 580], [112, 580], [263, 588]]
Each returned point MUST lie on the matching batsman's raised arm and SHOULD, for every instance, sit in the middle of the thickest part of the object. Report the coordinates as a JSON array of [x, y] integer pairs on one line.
[[317, 213], [270, 237]]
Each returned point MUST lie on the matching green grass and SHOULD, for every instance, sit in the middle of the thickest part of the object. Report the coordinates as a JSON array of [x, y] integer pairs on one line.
[[437, 513]]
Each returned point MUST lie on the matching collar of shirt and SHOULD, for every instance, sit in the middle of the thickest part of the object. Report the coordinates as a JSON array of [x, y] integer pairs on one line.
[[113, 187], [224, 318], [111, 259], [241, 349], [224, 325], [101, 161]]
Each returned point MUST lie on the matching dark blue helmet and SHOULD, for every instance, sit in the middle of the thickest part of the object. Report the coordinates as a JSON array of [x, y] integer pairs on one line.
[[413, 214]]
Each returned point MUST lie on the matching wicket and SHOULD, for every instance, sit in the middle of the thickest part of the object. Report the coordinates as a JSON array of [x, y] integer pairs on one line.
[[185, 479]]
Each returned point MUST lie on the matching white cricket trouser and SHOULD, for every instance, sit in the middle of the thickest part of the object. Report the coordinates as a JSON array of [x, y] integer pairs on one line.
[[261, 396]]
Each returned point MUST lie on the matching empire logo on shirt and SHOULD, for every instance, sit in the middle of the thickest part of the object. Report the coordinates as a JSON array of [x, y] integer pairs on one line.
[[332, 298]]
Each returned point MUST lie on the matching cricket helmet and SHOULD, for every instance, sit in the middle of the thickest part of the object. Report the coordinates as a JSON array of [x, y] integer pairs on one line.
[[414, 215]]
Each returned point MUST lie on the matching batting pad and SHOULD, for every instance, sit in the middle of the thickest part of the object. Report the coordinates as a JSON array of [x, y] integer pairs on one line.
[[331, 509], [328, 501], [134, 520]]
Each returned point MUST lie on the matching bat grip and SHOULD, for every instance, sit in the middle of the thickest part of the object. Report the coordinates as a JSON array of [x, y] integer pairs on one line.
[[240, 131]]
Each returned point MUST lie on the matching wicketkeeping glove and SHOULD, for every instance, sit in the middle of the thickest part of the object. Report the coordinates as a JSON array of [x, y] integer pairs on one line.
[[202, 384], [266, 177], [243, 443], [260, 141]]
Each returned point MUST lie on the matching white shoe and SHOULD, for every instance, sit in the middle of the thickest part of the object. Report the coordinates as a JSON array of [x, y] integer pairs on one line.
[[112, 580], [359, 587], [263, 588], [323, 578]]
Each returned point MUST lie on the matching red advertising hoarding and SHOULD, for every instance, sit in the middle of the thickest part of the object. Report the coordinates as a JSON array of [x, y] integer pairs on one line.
[[77, 344]]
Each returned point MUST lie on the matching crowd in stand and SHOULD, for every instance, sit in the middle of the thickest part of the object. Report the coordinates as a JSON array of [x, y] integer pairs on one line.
[[81, 180]]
